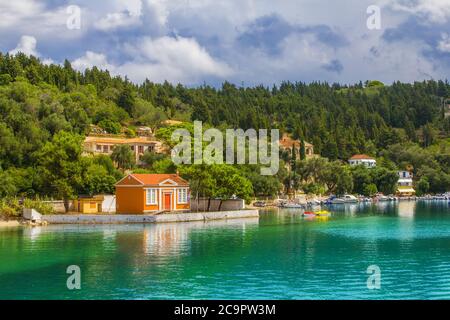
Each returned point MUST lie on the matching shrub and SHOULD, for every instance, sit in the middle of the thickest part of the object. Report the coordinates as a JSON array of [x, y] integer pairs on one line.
[[110, 126], [10, 207], [39, 205]]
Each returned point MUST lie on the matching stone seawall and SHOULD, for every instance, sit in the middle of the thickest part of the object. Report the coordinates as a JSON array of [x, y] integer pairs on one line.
[[134, 218]]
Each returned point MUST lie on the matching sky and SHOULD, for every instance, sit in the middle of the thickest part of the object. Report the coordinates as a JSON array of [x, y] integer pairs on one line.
[[246, 42]]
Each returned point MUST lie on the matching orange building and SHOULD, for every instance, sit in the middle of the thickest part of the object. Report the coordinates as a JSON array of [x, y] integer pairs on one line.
[[146, 193]]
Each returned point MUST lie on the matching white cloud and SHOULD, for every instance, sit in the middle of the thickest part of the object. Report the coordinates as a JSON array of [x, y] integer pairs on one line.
[[117, 20], [444, 44], [26, 45], [437, 11], [173, 59], [91, 59], [13, 12], [208, 47]]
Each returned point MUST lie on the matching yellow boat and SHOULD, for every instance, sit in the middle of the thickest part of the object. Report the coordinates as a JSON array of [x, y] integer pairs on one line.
[[322, 213]]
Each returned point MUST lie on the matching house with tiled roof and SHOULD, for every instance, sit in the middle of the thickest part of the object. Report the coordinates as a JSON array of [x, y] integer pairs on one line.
[[287, 143], [106, 144], [363, 159], [147, 193]]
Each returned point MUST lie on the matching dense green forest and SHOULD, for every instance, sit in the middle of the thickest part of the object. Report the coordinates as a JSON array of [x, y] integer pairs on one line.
[[45, 110]]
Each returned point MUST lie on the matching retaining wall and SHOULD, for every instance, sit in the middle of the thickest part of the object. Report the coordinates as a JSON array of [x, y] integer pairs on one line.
[[227, 205], [126, 218]]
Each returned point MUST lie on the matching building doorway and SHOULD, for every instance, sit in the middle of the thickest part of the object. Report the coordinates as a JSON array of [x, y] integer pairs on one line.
[[167, 201]]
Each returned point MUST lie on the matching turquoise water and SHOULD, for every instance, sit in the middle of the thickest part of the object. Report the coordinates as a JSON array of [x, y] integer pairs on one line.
[[278, 256]]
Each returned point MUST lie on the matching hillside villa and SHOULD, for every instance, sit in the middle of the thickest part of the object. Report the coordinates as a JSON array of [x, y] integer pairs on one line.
[[105, 145], [286, 143], [147, 193], [405, 184], [363, 159]]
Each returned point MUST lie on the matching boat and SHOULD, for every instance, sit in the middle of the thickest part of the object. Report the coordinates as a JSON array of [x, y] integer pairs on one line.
[[348, 198], [308, 214], [292, 205], [335, 200], [316, 213], [382, 198], [313, 202], [322, 213]]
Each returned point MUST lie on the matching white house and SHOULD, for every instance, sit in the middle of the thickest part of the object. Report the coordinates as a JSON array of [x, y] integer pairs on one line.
[[405, 183], [405, 178], [363, 159]]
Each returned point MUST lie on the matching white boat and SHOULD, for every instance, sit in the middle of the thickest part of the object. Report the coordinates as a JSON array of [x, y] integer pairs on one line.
[[348, 198], [313, 202], [292, 205], [337, 201]]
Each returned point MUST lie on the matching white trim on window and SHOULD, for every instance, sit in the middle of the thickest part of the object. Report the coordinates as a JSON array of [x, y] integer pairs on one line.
[[182, 195], [151, 196]]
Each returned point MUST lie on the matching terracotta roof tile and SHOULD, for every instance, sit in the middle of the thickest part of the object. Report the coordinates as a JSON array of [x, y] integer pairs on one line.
[[154, 179], [112, 140], [361, 157]]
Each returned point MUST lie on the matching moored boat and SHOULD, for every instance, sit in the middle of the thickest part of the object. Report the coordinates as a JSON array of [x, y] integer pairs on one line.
[[308, 214], [348, 198], [322, 213], [292, 205]]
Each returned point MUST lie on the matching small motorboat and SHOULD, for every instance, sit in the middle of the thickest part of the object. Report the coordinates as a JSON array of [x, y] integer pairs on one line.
[[382, 198], [313, 202], [309, 214], [322, 213], [292, 205], [348, 198]]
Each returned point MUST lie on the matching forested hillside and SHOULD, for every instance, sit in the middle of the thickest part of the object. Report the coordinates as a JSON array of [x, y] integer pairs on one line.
[[37, 101]]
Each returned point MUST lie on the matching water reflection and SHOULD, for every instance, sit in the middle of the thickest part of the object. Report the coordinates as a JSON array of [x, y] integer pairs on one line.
[[173, 239], [280, 255], [406, 209], [151, 239]]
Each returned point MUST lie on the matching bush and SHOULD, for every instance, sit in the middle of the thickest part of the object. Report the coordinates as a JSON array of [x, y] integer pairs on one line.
[[130, 133], [39, 205], [12, 207], [370, 190], [110, 126]]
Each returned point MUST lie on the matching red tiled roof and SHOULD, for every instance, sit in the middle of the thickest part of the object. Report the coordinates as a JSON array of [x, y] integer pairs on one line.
[[361, 157], [287, 142], [154, 179], [117, 140]]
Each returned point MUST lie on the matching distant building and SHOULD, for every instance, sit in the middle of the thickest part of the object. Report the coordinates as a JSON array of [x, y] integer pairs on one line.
[[363, 159], [106, 144], [405, 184], [286, 143], [146, 193], [447, 108], [87, 204]]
